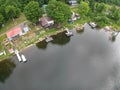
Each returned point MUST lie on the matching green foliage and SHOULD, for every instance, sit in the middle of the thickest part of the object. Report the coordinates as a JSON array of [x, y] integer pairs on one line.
[[114, 13], [1, 19], [32, 11], [59, 11], [102, 19], [83, 8], [100, 7], [116, 2], [25, 2], [12, 12], [65, 1], [92, 4]]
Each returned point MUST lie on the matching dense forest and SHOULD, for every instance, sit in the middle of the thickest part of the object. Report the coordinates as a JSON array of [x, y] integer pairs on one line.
[[11, 9]]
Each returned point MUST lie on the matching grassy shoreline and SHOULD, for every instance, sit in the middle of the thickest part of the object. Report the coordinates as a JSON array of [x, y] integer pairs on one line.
[[35, 40]]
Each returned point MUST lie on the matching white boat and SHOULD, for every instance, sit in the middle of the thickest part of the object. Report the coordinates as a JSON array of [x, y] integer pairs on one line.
[[19, 58], [18, 55], [23, 58]]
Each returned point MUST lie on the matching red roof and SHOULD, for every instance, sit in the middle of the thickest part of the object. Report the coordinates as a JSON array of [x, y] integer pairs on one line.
[[14, 32]]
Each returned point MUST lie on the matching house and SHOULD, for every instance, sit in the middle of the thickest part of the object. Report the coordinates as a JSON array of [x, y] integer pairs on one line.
[[73, 2], [46, 21], [17, 31]]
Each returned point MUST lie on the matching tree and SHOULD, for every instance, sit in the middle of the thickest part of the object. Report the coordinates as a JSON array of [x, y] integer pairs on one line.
[[14, 3], [92, 4], [12, 12], [1, 19], [32, 11], [102, 20], [100, 8], [83, 8], [58, 11], [114, 13]]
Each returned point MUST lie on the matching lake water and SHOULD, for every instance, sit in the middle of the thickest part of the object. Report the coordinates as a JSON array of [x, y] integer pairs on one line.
[[89, 60]]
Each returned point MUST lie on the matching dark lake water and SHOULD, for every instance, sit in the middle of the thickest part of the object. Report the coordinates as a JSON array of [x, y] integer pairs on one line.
[[89, 60]]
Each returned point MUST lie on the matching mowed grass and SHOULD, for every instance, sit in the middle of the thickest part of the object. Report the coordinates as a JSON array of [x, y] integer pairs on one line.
[[1, 40], [11, 24]]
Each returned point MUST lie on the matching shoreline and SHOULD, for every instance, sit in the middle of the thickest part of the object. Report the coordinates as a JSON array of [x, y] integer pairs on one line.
[[40, 39], [32, 44]]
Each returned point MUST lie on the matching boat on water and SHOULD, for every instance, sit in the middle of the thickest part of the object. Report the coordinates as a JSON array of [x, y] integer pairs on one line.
[[23, 58], [18, 55]]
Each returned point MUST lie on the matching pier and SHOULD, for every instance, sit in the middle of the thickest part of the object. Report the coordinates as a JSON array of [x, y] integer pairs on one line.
[[21, 58]]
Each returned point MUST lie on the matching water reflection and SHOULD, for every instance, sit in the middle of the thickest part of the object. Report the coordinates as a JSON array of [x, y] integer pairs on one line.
[[89, 62], [6, 68], [60, 39], [80, 31], [42, 45], [113, 36]]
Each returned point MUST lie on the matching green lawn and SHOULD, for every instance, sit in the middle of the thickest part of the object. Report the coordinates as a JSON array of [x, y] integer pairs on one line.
[[1, 39]]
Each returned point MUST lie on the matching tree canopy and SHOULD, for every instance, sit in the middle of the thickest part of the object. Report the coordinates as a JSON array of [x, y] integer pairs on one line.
[[32, 11], [83, 8], [1, 19], [59, 11], [12, 12]]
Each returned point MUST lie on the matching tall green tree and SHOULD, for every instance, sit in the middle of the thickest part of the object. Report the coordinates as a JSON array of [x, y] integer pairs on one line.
[[12, 12], [32, 11], [83, 8], [92, 4], [114, 13], [59, 11], [100, 8]]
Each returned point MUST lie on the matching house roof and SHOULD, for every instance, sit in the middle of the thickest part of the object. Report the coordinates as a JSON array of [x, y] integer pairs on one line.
[[13, 32], [44, 20]]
